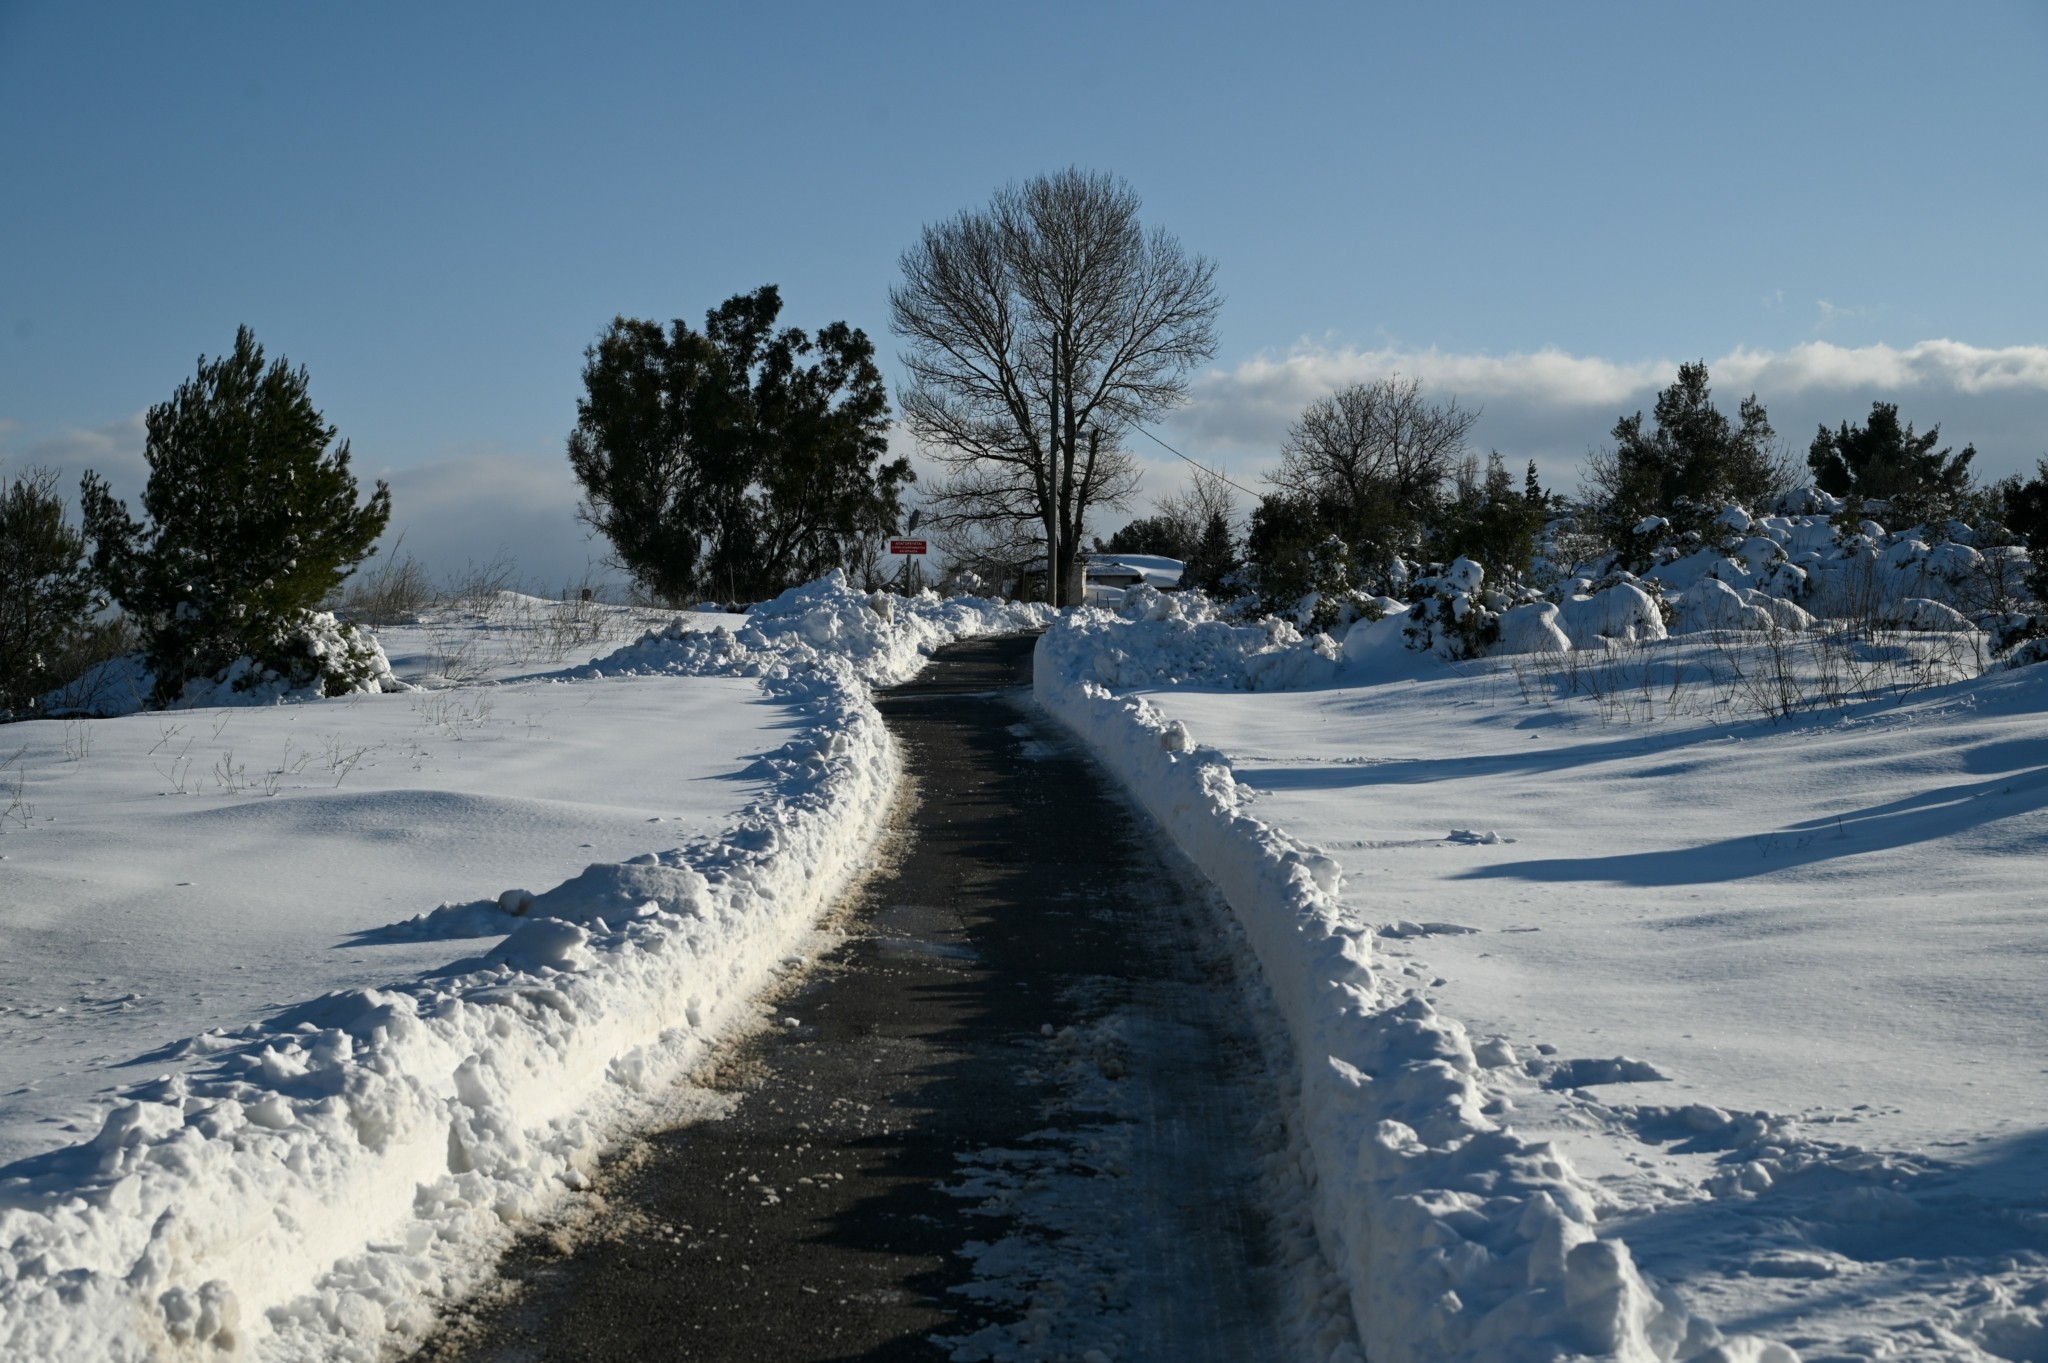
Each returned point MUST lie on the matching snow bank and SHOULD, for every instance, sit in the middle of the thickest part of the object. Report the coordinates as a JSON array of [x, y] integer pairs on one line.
[[1172, 639], [882, 638], [1459, 1240], [1801, 557], [320, 1178], [1623, 612]]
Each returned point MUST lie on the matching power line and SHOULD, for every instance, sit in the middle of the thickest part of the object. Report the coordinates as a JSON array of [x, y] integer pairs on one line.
[[1255, 496]]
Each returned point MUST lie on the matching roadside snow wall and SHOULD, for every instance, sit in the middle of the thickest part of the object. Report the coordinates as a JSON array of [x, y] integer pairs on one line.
[[1459, 1240], [313, 1184]]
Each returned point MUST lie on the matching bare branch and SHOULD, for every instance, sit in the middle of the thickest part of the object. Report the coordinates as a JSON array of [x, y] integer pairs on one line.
[[1037, 331]]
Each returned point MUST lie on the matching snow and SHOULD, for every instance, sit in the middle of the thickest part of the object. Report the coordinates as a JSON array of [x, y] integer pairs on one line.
[[1662, 987], [262, 1095], [1658, 1026], [145, 866], [1156, 570]]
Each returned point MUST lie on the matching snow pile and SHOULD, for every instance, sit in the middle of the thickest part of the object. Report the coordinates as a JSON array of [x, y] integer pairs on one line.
[[1711, 604], [1459, 1239], [1803, 556], [1157, 639], [313, 1182], [882, 638]]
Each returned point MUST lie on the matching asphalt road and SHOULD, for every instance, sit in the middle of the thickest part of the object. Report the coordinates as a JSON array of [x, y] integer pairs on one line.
[[1018, 1115]]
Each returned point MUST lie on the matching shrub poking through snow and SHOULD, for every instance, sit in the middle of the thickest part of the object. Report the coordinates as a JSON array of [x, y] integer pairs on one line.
[[312, 651], [2017, 639], [1451, 616], [2034, 650]]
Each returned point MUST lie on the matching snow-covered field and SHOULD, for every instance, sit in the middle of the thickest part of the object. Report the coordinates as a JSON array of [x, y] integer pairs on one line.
[[1629, 1016], [197, 870], [1651, 998], [308, 1007]]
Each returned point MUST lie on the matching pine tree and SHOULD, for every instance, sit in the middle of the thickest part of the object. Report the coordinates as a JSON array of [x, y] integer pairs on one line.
[[1690, 463], [1489, 523], [1213, 557], [47, 596], [252, 519], [2023, 506], [1885, 460]]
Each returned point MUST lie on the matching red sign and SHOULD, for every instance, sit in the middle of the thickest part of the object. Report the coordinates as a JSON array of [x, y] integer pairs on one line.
[[906, 546]]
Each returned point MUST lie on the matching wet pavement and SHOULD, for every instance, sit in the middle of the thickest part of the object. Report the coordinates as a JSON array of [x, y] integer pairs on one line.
[[1018, 1113]]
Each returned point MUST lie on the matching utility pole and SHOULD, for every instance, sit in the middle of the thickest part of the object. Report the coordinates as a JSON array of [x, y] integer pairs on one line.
[[1053, 584]]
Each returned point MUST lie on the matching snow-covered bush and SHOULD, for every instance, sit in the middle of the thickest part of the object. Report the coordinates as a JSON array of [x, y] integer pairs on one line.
[[304, 657], [1711, 604], [1617, 606], [1533, 627], [2017, 639], [1310, 585], [1452, 616], [313, 651], [2033, 650]]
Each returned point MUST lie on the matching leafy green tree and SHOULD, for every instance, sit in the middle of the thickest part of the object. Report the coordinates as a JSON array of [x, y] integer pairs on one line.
[[47, 593], [729, 460], [1293, 550], [1491, 522], [1373, 459], [1882, 460], [252, 520], [2023, 507], [1690, 463], [1146, 535]]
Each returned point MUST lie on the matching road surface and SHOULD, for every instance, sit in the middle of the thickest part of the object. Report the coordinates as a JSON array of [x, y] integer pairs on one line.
[[1018, 1113]]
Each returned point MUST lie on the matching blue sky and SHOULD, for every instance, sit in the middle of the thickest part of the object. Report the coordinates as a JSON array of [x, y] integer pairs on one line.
[[1541, 209]]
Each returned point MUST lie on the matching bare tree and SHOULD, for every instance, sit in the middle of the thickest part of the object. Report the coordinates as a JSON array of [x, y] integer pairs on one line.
[[1373, 458], [1039, 330], [1206, 498], [1378, 438], [996, 554]]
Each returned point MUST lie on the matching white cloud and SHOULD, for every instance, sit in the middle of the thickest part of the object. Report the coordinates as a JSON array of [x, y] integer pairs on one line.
[[1832, 315], [464, 507], [1551, 405], [113, 451], [473, 508], [1931, 365]]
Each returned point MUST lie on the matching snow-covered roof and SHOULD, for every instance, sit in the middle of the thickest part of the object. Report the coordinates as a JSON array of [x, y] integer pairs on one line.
[[1153, 570]]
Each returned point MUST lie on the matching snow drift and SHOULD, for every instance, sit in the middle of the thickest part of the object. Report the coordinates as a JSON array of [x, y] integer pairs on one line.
[[316, 1180], [1458, 1239]]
